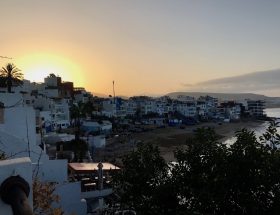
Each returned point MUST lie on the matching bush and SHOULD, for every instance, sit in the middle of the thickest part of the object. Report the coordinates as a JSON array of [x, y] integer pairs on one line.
[[208, 177]]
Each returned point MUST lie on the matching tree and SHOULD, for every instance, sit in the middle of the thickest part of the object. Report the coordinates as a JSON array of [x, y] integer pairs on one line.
[[44, 197], [142, 183], [79, 147], [197, 174], [208, 177], [76, 112], [11, 74], [2, 155], [79, 110]]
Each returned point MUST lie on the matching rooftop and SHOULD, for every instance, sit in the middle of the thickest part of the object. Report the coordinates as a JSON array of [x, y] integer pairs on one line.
[[86, 167]]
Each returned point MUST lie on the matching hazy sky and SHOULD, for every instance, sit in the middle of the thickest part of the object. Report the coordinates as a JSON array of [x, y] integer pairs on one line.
[[146, 46]]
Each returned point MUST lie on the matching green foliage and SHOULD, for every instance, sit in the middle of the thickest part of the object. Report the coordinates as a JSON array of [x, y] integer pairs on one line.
[[44, 198], [11, 75], [271, 136], [143, 181], [2, 155], [79, 147], [81, 110], [197, 177], [208, 177], [78, 111]]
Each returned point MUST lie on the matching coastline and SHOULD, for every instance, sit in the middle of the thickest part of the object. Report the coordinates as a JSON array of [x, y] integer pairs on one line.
[[169, 139], [226, 131]]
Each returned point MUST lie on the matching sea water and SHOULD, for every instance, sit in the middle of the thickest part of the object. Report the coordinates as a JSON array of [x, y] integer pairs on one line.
[[259, 130], [273, 112]]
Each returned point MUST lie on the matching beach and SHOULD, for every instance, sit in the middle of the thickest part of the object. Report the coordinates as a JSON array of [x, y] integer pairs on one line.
[[169, 139]]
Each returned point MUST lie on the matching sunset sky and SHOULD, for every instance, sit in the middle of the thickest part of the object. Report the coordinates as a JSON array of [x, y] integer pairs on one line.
[[148, 47]]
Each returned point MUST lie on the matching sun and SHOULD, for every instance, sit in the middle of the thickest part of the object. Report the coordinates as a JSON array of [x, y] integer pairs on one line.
[[36, 67]]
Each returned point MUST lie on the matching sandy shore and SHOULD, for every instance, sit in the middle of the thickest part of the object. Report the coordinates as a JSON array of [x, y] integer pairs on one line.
[[170, 138], [227, 130]]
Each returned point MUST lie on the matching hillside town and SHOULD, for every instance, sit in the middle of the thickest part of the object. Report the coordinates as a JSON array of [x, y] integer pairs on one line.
[[63, 128]]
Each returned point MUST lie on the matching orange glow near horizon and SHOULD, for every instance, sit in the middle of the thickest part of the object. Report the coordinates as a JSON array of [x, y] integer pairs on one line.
[[36, 67]]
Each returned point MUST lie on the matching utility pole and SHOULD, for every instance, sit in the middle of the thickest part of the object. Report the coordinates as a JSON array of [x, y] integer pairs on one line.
[[114, 92]]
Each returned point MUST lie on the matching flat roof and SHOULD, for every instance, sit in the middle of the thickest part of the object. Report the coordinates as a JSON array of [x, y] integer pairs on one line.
[[86, 167]]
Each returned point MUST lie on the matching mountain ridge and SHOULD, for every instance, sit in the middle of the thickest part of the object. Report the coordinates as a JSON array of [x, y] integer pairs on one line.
[[271, 102]]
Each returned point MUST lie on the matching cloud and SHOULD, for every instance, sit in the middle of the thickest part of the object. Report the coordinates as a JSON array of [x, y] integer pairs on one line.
[[187, 85], [263, 81]]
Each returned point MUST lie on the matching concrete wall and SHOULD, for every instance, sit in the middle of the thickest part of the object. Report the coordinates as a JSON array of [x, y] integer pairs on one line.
[[46, 115], [52, 81], [70, 198], [27, 86], [18, 133], [10, 99], [43, 103], [20, 122], [53, 171], [51, 93]]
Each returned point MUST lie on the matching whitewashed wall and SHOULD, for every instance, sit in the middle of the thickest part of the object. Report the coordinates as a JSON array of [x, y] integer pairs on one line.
[[70, 198]]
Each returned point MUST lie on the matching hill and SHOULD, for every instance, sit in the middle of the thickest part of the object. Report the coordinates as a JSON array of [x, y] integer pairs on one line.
[[271, 102]]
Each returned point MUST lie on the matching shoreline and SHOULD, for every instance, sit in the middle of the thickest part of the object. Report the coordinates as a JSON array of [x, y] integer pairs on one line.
[[226, 131], [168, 139], [229, 130]]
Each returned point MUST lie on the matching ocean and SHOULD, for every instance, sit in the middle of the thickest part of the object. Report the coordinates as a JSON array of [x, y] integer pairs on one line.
[[273, 112], [270, 112]]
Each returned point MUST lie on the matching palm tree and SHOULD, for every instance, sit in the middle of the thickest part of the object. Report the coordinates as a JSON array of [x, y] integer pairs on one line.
[[76, 112], [12, 75]]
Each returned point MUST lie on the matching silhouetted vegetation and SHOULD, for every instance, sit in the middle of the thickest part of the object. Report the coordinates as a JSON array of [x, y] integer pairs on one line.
[[10, 75], [44, 198], [79, 147], [207, 178]]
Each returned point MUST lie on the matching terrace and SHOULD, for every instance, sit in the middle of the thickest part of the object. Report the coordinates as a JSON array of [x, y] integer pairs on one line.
[[95, 178]]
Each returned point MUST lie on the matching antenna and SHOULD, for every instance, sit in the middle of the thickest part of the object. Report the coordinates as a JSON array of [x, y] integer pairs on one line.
[[114, 92]]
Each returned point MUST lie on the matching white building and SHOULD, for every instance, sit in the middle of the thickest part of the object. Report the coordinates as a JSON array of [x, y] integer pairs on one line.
[[161, 108], [104, 127], [188, 109], [52, 81], [229, 110], [54, 113], [18, 125], [148, 106], [131, 107], [81, 95], [201, 108], [26, 87], [109, 108], [18, 139], [256, 107]]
